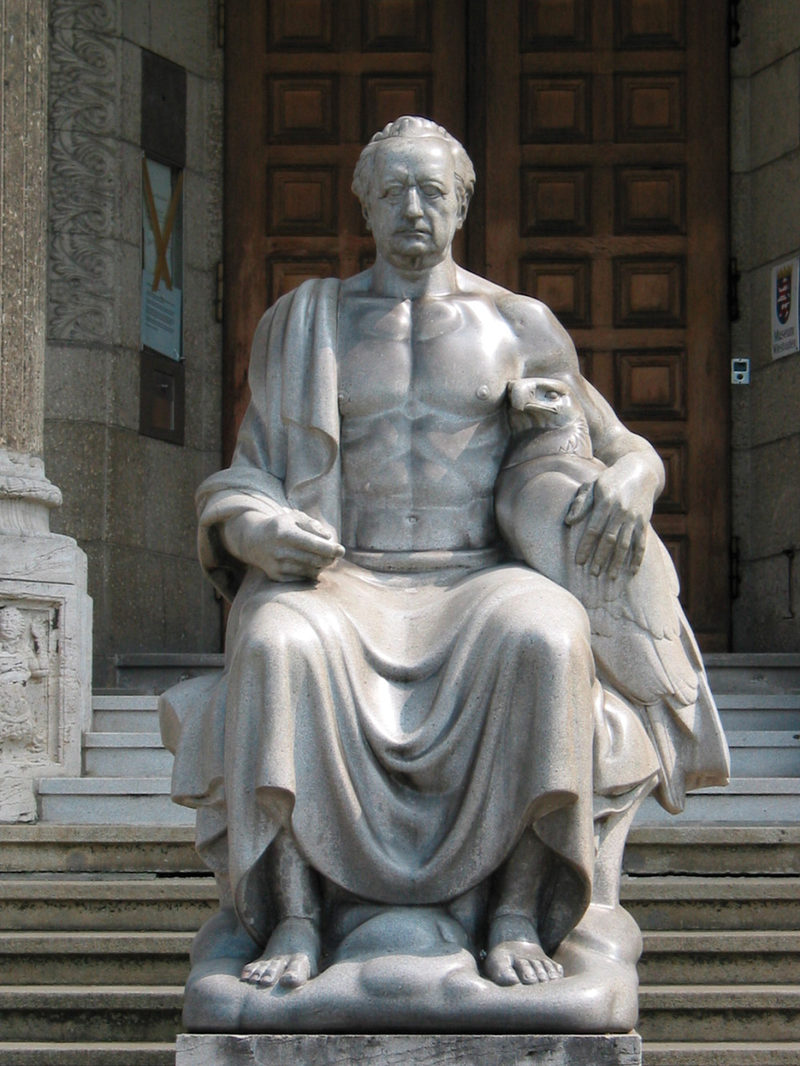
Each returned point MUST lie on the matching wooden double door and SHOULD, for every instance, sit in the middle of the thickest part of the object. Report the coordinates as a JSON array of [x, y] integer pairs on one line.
[[598, 129]]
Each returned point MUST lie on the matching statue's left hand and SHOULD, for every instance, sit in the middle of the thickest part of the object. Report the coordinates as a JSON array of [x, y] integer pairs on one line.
[[619, 505]]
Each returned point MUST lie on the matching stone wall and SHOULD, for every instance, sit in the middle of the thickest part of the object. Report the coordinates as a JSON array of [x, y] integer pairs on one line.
[[765, 163], [128, 499]]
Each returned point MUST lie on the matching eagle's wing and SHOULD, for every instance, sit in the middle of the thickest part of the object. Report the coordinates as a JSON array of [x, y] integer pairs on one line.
[[637, 630]]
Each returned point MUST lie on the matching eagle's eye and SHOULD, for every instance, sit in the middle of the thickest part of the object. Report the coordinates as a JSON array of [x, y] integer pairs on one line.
[[552, 395]]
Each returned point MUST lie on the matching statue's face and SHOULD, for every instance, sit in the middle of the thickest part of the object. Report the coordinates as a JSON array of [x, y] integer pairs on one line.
[[414, 209]]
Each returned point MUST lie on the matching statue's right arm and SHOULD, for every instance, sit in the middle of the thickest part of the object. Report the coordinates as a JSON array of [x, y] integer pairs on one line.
[[287, 546], [246, 519]]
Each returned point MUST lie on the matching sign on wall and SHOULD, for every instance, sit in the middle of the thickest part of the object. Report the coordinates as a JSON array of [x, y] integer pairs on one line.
[[784, 299], [162, 290]]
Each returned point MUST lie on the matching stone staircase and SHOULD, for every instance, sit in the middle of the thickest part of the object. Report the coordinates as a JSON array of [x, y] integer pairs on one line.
[[126, 769], [759, 702], [97, 924], [99, 901]]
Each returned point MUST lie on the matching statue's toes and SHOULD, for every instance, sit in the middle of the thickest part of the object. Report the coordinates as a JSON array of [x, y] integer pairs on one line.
[[554, 970], [297, 972], [509, 967], [500, 968], [529, 971], [538, 970], [264, 971]]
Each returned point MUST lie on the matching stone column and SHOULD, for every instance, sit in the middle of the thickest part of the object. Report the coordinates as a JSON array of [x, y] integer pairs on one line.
[[45, 613]]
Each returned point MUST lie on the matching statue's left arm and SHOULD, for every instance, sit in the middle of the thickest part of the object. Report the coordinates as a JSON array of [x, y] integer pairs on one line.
[[618, 505]]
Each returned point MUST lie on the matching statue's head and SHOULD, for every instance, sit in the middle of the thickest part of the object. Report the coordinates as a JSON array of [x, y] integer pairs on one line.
[[412, 127], [414, 181], [12, 623]]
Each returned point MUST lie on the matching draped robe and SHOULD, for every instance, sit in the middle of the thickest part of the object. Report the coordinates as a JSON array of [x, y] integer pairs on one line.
[[408, 716]]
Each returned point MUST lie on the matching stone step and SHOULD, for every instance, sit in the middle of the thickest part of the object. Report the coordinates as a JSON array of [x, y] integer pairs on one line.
[[127, 754], [764, 753], [144, 720], [179, 904], [73, 849], [127, 1013], [728, 672], [758, 748], [704, 904], [93, 1013], [756, 711], [87, 1054], [722, 957], [159, 958], [667, 849], [149, 904], [119, 712], [724, 849], [744, 800], [98, 901], [741, 1053], [719, 1012], [110, 801], [142, 801], [156, 671], [80, 958], [753, 673]]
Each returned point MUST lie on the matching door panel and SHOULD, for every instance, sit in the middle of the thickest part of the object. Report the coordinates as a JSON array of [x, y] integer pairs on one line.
[[606, 178], [307, 84], [598, 131]]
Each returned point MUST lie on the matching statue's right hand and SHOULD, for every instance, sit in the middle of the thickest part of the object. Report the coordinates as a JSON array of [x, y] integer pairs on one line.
[[289, 546]]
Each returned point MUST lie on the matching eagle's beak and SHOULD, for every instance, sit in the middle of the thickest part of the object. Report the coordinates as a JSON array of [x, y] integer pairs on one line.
[[540, 412]]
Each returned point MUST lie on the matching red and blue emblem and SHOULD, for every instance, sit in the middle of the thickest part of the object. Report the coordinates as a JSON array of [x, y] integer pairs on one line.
[[783, 297]]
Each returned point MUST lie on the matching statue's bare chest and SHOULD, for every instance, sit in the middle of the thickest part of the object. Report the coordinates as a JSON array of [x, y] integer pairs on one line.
[[451, 355]]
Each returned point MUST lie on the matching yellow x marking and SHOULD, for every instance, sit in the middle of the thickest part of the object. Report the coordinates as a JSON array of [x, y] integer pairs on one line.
[[161, 237]]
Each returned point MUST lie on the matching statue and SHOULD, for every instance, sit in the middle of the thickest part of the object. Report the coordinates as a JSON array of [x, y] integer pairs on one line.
[[439, 711]]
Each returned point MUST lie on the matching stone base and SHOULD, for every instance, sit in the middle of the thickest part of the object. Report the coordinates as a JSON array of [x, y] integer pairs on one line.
[[45, 665], [398, 973], [215, 1049]]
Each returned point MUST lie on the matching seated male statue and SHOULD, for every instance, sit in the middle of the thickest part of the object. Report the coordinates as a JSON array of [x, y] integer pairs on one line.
[[409, 749]]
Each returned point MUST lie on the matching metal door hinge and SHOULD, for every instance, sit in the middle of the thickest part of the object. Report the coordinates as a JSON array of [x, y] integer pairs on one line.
[[220, 23], [734, 277], [219, 296], [734, 25], [790, 554], [735, 574]]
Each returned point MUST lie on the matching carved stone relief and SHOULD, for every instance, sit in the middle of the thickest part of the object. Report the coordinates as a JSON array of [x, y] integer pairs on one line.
[[45, 665], [25, 681], [84, 171]]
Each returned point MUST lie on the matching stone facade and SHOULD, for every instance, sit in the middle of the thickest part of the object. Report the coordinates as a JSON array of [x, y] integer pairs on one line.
[[45, 619], [129, 498], [765, 164]]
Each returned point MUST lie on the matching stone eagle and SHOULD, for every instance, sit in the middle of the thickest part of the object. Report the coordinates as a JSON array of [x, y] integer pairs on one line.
[[642, 643]]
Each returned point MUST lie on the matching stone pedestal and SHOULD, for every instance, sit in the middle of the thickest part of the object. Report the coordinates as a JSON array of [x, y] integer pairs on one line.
[[211, 1049], [45, 641], [45, 613]]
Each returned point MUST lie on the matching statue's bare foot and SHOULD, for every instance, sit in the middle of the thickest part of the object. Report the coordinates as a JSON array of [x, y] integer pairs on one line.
[[290, 958], [515, 955]]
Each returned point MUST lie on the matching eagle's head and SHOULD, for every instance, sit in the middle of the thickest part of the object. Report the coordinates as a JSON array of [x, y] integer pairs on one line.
[[544, 403]]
